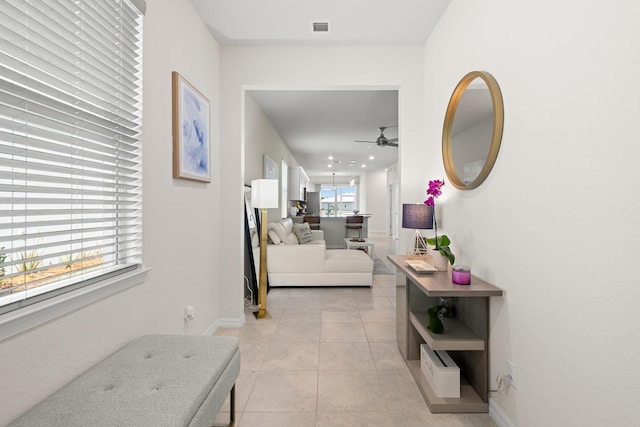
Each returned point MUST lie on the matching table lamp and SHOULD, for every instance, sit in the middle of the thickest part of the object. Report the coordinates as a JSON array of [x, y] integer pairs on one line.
[[264, 195], [418, 217]]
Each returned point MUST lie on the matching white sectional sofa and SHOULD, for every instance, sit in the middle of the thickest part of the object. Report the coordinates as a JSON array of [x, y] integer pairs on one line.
[[290, 263]]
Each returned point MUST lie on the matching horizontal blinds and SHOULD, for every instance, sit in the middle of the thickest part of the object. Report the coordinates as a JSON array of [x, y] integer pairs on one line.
[[70, 141]]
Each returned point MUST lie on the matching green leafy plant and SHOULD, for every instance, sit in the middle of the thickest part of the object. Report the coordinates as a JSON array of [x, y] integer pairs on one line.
[[440, 243], [67, 260], [3, 257], [31, 264], [435, 324]]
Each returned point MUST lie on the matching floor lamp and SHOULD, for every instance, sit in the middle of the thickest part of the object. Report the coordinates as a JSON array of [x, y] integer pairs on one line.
[[417, 217], [264, 195]]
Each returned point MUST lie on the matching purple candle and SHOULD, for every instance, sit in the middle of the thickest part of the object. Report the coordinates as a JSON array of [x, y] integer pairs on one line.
[[461, 275]]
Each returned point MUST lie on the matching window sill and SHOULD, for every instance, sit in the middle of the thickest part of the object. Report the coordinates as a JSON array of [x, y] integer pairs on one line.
[[19, 321]]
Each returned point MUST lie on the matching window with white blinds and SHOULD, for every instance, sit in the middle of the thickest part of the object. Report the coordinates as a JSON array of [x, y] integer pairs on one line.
[[70, 145]]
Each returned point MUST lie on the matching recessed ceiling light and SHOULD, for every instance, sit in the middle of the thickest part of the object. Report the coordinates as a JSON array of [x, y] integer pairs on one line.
[[351, 164], [330, 157], [330, 165], [352, 161], [364, 166], [371, 157]]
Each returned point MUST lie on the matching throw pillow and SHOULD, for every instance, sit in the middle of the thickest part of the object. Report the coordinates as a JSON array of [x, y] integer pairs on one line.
[[303, 232]]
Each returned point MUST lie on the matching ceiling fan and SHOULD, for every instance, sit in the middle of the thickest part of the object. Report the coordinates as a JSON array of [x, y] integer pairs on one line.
[[383, 140]]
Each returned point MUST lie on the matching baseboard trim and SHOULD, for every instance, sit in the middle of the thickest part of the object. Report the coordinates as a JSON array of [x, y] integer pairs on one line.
[[225, 323], [498, 415]]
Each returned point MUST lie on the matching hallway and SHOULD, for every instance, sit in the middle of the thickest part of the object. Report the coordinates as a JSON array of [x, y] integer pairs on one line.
[[328, 357]]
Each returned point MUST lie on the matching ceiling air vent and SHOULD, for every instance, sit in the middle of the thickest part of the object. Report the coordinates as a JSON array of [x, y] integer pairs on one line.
[[320, 27]]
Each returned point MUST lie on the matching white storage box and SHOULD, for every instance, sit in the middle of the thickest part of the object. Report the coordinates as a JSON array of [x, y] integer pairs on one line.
[[441, 372]]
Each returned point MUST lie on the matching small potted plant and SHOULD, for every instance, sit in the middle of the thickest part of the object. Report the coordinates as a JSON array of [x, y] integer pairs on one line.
[[441, 252]]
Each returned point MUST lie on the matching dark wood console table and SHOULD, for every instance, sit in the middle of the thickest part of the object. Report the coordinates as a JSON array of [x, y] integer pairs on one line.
[[466, 336]]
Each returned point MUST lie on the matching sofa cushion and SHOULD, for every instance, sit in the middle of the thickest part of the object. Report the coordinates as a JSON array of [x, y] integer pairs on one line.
[[303, 232], [307, 258], [273, 236], [278, 235], [347, 261], [289, 236], [283, 229]]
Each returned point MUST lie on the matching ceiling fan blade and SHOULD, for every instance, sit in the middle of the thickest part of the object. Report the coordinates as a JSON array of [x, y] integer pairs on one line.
[[392, 140], [392, 144], [373, 142]]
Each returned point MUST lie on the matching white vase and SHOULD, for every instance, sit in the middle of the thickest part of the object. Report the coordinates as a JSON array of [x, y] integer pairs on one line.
[[440, 261]]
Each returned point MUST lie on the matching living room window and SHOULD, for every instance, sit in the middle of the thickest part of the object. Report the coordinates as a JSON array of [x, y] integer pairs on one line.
[[70, 146]]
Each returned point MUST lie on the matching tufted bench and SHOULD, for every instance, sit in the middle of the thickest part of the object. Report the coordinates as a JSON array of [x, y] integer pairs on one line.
[[155, 380]]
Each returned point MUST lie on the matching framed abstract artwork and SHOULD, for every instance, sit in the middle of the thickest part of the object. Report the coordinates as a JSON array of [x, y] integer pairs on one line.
[[191, 131], [271, 170]]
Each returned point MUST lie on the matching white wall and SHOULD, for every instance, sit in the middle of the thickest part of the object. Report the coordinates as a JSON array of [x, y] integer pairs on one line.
[[177, 214], [556, 223], [395, 208], [261, 138], [376, 200], [362, 190], [287, 67]]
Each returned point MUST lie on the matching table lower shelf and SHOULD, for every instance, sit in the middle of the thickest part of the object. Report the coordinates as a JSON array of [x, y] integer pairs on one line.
[[457, 337], [468, 401]]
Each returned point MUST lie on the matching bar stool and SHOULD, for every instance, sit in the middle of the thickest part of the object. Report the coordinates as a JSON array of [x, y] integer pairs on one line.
[[354, 222], [313, 221]]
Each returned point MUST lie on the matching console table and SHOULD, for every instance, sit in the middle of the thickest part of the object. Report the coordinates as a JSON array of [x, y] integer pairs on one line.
[[465, 337]]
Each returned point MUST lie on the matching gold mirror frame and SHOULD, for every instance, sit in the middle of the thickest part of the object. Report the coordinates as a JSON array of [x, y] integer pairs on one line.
[[496, 138]]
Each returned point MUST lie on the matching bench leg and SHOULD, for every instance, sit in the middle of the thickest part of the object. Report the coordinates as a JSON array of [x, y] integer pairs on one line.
[[232, 406]]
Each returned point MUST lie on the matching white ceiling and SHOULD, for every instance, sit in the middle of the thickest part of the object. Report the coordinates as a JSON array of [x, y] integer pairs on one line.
[[352, 22], [316, 124]]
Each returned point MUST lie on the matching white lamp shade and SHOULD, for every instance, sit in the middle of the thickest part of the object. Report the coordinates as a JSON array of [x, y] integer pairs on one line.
[[264, 193]]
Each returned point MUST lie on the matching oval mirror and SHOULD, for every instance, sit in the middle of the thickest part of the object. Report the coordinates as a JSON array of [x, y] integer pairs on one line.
[[472, 130]]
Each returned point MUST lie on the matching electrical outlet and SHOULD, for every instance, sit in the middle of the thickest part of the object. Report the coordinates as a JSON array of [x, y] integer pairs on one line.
[[189, 313], [512, 372]]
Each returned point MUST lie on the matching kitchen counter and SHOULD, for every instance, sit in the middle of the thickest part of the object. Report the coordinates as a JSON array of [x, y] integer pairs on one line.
[[366, 215], [333, 227]]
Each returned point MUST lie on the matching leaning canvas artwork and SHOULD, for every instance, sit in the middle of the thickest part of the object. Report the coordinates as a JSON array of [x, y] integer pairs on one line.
[[191, 132]]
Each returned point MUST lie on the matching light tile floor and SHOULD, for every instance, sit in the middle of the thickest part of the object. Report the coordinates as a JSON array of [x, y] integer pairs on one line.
[[328, 357]]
